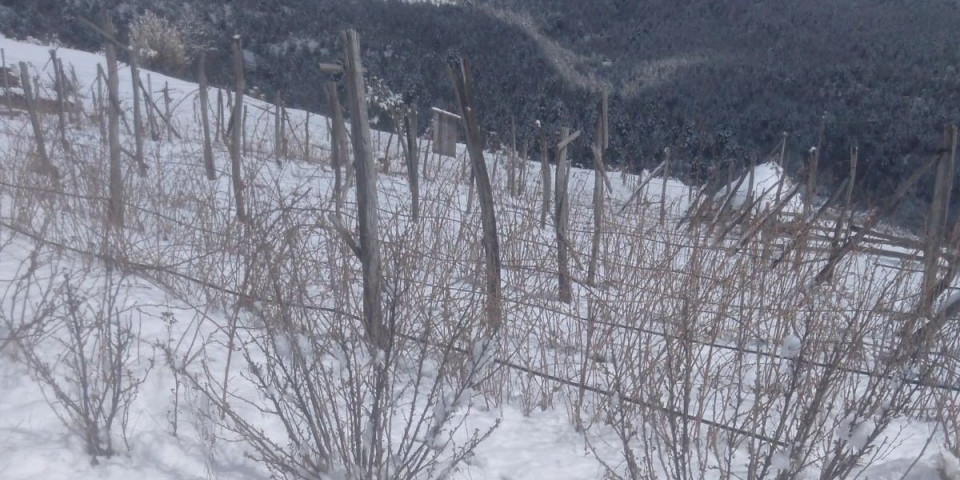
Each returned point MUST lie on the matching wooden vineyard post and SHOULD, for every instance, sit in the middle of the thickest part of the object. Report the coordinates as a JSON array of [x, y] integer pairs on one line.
[[522, 173], [3, 69], [235, 168], [376, 331], [208, 165], [599, 146], [663, 188], [512, 160], [847, 210], [151, 116], [115, 214], [562, 214], [413, 159], [544, 176], [306, 138], [219, 113], [463, 87], [338, 144], [137, 116], [937, 219], [58, 78], [101, 105], [45, 166], [243, 131]]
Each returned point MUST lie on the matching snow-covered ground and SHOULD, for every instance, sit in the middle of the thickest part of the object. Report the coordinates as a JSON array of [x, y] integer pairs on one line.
[[192, 337]]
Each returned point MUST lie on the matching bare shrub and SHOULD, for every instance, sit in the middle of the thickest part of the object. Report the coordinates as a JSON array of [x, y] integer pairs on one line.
[[79, 345], [160, 43]]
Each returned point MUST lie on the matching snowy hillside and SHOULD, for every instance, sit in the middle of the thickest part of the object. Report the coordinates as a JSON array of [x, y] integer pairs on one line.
[[190, 345]]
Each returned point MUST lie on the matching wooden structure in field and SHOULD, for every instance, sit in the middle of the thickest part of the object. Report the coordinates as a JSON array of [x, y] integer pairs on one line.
[[446, 128]]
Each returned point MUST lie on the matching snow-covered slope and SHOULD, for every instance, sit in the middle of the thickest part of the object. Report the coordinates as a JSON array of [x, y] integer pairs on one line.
[[205, 304]]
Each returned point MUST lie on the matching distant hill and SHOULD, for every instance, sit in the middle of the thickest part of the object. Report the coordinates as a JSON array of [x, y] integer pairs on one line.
[[713, 79]]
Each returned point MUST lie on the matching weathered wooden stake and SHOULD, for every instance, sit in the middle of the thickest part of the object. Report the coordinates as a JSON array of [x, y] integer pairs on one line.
[[219, 114], [522, 175], [463, 87], [59, 87], [599, 146], [413, 159], [306, 138], [101, 105], [208, 165], [137, 116], [376, 330], [663, 188], [151, 117], [3, 68], [44, 166], [338, 144], [115, 204], [561, 217], [937, 219], [843, 222], [235, 168], [545, 176]]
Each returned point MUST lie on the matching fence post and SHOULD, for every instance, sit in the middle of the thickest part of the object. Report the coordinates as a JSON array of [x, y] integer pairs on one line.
[[847, 208], [151, 116], [137, 120], [366, 192], [545, 176], [413, 159], [599, 145], [237, 116], [101, 105], [463, 87], [208, 165], [938, 218], [562, 215], [338, 144], [115, 215], [663, 188], [306, 138], [6, 84], [44, 167], [219, 115], [59, 88]]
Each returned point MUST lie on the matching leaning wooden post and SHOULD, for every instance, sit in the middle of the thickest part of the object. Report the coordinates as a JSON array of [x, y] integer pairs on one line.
[[306, 138], [101, 106], [814, 163], [208, 165], [522, 174], [663, 188], [115, 204], [151, 117], [137, 120], [376, 331], [3, 68], [413, 154], [219, 114], [59, 87], [599, 145], [45, 167], [167, 113], [237, 116], [544, 175], [937, 219], [512, 160], [277, 119], [562, 214], [847, 208], [463, 87], [338, 144]]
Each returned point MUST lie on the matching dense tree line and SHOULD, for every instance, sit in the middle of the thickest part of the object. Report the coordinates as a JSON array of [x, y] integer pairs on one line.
[[718, 81]]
